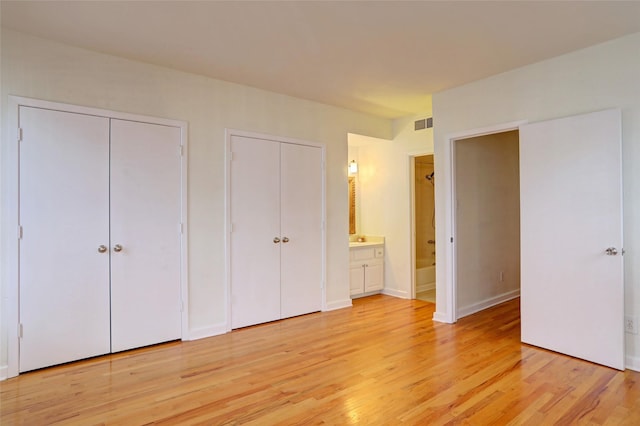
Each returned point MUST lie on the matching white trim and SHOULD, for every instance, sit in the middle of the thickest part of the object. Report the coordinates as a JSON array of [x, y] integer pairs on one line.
[[338, 304], [4, 372], [227, 225], [450, 227], [209, 331], [184, 238], [402, 294], [632, 363], [448, 181], [412, 223], [366, 294], [253, 135], [10, 179], [440, 317], [227, 195], [425, 287], [487, 303], [57, 106]]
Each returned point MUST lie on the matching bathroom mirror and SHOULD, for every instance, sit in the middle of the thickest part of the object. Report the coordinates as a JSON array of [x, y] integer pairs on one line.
[[352, 205]]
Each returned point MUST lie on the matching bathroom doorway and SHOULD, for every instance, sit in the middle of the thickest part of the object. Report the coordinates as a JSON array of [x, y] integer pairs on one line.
[[424, 228]]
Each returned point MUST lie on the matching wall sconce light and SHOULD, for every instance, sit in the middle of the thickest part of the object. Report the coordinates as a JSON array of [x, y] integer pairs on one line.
[[353, 167]]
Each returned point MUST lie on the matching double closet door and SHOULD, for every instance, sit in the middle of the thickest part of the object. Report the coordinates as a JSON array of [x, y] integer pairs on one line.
[[276, 242], [99, 256]]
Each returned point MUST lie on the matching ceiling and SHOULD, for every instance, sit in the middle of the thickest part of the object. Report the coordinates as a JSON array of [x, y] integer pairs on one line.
[[380, 57]]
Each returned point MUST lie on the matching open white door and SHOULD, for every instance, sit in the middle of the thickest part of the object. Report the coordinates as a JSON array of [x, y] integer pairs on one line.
[[572, 290]]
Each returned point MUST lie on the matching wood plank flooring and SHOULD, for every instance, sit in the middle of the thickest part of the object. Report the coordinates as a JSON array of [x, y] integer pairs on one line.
[[382, 362]]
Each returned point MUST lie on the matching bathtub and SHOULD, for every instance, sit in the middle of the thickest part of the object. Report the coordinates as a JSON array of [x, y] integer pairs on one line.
[[425, 275]]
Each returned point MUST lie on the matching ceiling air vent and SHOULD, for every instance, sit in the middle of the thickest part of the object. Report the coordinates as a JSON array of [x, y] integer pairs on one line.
[[425, 123]]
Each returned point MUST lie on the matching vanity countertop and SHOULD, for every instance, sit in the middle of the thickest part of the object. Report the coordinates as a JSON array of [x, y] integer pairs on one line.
[[369, 240], [353, 244]]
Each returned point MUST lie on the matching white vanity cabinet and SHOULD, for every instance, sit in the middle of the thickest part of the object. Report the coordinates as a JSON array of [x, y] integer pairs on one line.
[[366, 269]]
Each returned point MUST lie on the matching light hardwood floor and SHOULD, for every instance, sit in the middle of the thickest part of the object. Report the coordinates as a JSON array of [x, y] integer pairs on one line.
[[382, 362]]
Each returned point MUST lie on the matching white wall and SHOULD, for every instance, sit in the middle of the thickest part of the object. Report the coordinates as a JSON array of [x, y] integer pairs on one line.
[[37, 68], [596, 78], [385, 193]]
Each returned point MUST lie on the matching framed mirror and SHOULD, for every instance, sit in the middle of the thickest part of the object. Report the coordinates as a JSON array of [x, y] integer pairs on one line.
[[352, 205]]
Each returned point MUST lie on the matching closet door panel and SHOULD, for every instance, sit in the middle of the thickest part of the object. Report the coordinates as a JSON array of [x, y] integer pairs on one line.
[[145, 222], [255, 223], [64, 214], [301, 222]]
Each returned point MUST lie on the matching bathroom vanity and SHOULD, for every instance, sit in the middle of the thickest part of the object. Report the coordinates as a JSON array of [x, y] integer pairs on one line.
[[366, 266]]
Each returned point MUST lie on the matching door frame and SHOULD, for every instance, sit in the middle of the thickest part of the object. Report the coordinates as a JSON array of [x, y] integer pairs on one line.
[[229, 133], [10, 214], [450, 313]]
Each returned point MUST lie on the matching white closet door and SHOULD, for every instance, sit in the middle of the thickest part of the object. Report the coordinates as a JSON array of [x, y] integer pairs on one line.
[[255, 225], [301, 224], [145, 222], [64, 214]]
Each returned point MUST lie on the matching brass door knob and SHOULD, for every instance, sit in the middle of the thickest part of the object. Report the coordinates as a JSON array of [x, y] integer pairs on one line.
[[117, 248], [102, 248]]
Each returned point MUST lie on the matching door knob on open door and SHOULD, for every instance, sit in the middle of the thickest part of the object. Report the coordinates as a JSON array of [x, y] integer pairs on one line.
[[611, 251], [117, 248]]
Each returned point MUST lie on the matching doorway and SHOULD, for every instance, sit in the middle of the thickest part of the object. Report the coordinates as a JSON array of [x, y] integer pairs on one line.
[[570, 233], [424, 228], [487, 220]]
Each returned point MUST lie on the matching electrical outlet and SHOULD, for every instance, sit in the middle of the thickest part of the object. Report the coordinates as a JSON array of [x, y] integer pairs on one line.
[[631, 324]]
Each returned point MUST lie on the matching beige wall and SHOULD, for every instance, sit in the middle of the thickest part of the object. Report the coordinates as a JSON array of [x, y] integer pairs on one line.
[[37, 68], [487, 220], [592, 79]]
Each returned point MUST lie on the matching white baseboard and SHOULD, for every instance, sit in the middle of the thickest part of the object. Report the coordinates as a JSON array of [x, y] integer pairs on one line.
[[396, 293], [210, 331], [487, 303], [425, 287], [632, 363], [440, 317], [4, 372], [337, 304]]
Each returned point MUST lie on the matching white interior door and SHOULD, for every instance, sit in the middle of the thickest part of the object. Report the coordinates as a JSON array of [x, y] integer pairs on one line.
[[301, 224], [145, 223], [64, 214], [255, 225], [571, 212]]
